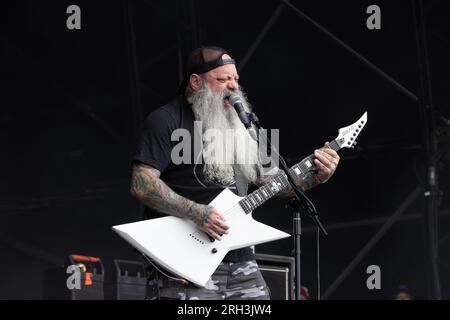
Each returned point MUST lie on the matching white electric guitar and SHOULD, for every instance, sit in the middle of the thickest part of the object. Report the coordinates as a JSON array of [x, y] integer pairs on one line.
[[185, 250]]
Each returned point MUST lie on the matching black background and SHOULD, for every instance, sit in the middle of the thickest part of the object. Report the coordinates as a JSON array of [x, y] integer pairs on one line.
[[69, 117]]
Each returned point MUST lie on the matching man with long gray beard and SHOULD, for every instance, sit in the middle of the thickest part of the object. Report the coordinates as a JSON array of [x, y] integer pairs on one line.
[[184, 190]]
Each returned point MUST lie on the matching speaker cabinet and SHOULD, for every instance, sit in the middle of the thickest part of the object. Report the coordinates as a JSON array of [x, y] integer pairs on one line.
[[278, 272], [86, 280], [131, 282]]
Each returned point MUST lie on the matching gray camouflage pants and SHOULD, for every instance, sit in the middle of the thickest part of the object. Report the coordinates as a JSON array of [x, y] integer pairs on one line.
[[230, 281]]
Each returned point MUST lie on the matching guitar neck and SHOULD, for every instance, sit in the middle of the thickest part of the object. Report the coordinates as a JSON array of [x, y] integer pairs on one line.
[[280, 182]]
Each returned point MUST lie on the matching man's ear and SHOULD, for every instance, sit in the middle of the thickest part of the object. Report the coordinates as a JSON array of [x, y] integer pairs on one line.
[[195, 82]]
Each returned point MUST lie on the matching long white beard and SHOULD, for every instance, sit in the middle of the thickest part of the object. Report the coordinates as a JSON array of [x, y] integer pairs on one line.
[[236, 146]]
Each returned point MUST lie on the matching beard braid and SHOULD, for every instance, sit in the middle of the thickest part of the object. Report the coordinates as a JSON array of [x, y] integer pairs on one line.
[[225, 139]]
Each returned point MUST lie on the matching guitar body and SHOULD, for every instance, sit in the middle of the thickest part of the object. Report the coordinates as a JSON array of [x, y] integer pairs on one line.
[[185, 250]]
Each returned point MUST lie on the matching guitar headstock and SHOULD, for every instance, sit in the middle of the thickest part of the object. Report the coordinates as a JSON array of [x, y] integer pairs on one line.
[[348, 135]]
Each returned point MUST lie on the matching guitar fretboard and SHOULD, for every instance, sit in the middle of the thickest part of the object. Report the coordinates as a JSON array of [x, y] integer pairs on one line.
[[280, 182]]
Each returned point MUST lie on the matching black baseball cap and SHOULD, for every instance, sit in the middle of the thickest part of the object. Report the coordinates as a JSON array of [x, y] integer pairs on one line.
[[202, 60]]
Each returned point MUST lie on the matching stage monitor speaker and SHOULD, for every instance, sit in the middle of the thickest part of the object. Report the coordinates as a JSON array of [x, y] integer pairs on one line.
[[64, 283], [278, 272], [131, 282], [92, 275]]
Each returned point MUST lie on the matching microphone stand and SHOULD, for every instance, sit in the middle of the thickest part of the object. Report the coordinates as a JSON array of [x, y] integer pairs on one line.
[[299, 203]]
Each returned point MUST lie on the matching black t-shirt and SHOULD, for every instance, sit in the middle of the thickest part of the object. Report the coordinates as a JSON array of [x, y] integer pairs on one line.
[[154, 148]]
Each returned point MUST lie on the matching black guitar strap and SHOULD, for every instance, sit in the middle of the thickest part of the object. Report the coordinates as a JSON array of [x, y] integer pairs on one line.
[[241, 186], [240, 181]]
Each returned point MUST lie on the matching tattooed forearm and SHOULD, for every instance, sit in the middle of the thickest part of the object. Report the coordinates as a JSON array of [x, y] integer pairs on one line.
[[198, 213], [154, 193], [306, 184]]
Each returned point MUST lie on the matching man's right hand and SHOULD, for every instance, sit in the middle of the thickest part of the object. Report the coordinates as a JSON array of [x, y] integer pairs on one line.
[[215, 224]]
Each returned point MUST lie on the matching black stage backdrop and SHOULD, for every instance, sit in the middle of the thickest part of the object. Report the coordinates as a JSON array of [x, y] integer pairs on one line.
[[73, 101]]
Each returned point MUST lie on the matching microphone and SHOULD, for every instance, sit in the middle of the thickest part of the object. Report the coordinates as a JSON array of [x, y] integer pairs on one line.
[[236, 102]]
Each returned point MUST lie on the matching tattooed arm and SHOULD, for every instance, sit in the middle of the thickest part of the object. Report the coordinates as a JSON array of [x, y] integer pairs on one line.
[[154, 193]]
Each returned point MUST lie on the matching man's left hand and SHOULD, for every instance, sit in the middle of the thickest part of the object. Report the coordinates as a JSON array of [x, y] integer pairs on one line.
[[327, 161]]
